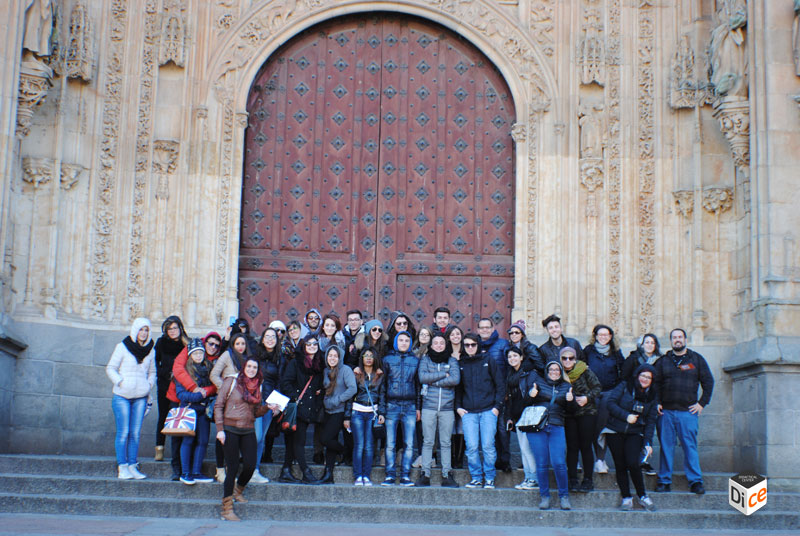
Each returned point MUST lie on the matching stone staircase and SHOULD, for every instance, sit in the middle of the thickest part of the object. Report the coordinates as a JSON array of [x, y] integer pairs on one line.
[[88, 486]]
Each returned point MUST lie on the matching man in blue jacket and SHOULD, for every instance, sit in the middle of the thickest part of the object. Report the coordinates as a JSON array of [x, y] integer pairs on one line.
[[495, 347], [402, 406]]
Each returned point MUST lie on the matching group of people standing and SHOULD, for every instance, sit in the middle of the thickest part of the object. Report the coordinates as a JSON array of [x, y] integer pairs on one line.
[[367, 384]]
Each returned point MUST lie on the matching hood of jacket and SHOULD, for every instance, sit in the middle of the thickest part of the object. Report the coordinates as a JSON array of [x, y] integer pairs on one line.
[[137, 325]]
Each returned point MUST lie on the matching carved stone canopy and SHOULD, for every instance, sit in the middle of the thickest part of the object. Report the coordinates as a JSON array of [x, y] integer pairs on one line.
[[733, 114], [34, 81]]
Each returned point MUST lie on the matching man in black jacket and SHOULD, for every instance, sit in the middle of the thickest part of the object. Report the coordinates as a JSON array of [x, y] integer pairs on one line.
[[678, 375], [550, 350]]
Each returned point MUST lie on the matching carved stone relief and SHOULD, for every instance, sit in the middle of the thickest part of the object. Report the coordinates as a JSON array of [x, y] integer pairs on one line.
[[684, 202], [34, 81], [614, 156], [647, 172], [165, 161], [39, 16], [109, 147], [717, 200], [543, 25], [591, 49], [37, 171], [733, 114], [78, 52], [683, 84], [70, 173], [173, 33], [533, 199]]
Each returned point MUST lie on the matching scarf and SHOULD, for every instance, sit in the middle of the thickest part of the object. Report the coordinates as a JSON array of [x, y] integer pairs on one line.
[[137, 350], [440, 357], [200, 373], [579, 368], [602, 348], [250, 388]]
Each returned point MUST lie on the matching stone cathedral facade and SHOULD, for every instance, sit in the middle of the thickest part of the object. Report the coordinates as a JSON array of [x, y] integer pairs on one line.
[[646, 174]]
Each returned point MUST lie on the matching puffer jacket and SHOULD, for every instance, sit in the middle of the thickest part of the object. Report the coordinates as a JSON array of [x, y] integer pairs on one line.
[[482, 387], [231, 410], [556, 409], [130, 378], [439, 381], [607, 368], [402, 384], [620, 405], [495, 347], [514, 403], [532, 355], [341, 399]]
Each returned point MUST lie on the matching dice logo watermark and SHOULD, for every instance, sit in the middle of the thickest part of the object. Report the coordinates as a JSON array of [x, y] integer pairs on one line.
[[747, 492]]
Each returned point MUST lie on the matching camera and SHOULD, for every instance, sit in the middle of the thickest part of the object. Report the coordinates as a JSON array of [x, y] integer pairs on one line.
[[638, 408]]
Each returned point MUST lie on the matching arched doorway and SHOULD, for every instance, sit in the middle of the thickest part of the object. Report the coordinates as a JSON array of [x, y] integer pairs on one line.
[[378, 175]]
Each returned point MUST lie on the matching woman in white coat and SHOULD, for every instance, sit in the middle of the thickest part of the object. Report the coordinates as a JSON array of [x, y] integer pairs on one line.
[[132, 370]]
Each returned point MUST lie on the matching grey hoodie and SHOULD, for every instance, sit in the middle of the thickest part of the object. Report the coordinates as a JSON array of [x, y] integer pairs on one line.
[[438, 389]]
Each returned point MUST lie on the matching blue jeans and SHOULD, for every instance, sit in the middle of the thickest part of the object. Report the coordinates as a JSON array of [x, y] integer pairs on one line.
[[528, 460], [404, 413], [479, 430], [128, 414], [361, 424], [193, 449], [550, 447], [262, 425], [679, 424]]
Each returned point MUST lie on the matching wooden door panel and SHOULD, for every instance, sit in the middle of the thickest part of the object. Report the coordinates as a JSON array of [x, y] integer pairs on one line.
[[378, 149]]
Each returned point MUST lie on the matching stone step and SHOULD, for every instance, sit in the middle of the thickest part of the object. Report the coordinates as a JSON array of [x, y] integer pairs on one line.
[[347, 493], [105, 466], [334, 511]]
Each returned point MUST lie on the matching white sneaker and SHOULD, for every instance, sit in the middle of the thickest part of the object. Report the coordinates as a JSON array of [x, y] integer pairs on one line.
[[600, 467], [124, 472], [367, 482], [258, 478], [359, 481], [417, 462], [135, 473]]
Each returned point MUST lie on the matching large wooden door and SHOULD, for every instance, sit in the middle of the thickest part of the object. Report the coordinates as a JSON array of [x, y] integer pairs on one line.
[[378, 176]]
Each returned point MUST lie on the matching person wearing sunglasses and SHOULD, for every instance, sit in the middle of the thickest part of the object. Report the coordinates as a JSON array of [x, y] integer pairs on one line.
[[557, 340], [479, 400], [292, 339], [401, 322], [580, 419], [373, 335], [518, 338], [312, 323], [354, 326]]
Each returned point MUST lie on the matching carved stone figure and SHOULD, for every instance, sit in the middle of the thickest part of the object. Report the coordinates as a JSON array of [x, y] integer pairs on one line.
[[173, 34], [682, 81], [38, 26], [79, 59], [727, 49], [590, 119]]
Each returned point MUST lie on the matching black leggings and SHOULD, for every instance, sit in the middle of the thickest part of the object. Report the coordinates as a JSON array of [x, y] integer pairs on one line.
[[300, 443], [580, 436], [330, 437], [235, 444], [220, 452], [288, 451], [164, 405], [626, 450]]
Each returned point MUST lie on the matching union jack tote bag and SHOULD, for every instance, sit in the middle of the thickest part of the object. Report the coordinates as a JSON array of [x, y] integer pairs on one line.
[[180, 422]]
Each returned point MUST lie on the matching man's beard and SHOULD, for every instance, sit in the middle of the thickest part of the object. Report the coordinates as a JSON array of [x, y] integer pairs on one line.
[[677, 346]]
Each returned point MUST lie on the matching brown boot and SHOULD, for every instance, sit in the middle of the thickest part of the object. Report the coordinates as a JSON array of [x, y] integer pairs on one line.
[[159, 456], [227, 509], [237, 494]]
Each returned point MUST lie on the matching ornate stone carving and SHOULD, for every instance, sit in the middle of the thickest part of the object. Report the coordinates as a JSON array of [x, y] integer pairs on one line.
[[37, 171], [543, 25], [34, 81], [645, 70], [165, 161], [78, 52], [70, 173], [727, 49], [39, 15], [533, 199], [224, 95], [684, 202], [591, 172], [591, 49], [135, 287], [683, 83], [173, 33], [733, 114], [519, 132], [613, 180], [717, 199], [225, 14], [590, 121], [104, 216]]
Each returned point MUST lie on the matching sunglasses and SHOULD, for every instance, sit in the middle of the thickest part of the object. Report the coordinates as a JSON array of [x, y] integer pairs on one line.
[[401, 323], [377, 330], [470, 344], [568, 358], [645, 377], [280, 330], [515, 333], [312, 344], [213, 344]]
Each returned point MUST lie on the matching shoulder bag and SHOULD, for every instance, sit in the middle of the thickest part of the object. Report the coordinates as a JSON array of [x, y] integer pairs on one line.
[[289, 415], [534, 418]]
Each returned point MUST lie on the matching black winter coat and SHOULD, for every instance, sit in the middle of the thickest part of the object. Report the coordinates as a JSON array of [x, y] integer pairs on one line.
[[514, 404], [620, 405], [294, 380], [586, 385], [607, 368], [549, 351], [482, 388]]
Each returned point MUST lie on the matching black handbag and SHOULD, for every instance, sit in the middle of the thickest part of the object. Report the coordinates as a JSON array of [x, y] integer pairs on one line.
[[378, 428]]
